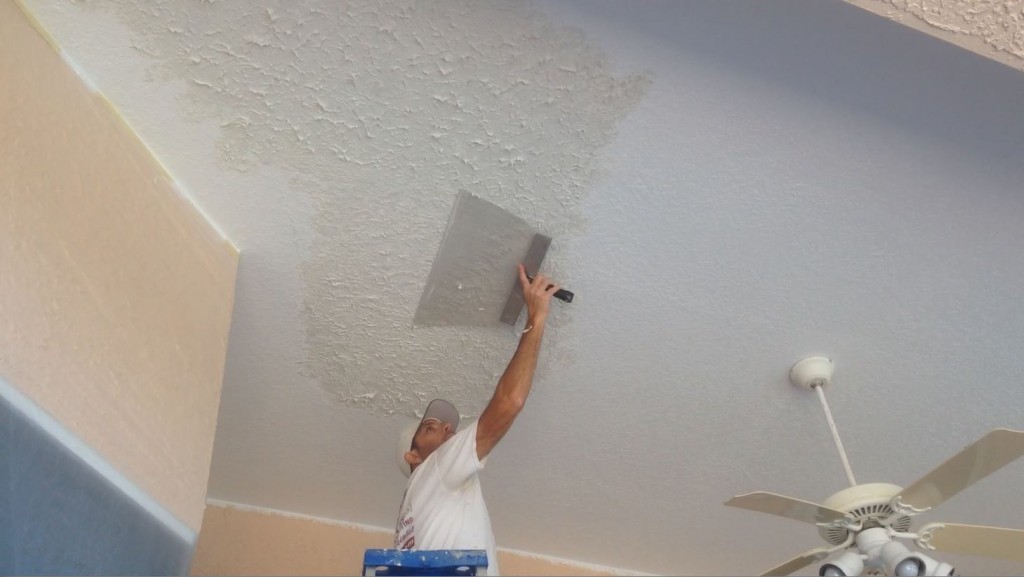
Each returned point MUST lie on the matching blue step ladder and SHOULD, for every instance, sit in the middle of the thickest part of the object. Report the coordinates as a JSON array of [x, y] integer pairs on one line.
[[412, 562]]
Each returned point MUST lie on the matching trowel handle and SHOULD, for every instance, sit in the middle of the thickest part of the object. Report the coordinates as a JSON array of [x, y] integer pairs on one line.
[[560, 294]]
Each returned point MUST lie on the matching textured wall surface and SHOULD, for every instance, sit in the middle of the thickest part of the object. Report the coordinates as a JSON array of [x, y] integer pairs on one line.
[[992, 28], [731, 186], [115, 297], [251, 541]]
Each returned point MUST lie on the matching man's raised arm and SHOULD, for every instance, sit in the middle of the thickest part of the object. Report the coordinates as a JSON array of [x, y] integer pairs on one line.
[[514, 385]]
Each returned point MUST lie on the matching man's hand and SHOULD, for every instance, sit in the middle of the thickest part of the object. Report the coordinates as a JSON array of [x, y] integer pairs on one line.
[[537, 295]]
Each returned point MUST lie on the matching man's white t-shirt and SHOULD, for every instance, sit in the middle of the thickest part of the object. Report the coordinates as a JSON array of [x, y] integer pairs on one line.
[[443, 507]]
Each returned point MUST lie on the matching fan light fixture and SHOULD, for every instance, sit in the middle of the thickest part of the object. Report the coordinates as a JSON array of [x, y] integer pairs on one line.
[[936, 568], [873, 515], [849, 563], [899, 561], [876, 548]]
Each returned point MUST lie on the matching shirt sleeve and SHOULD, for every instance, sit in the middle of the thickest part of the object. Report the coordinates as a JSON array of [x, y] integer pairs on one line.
[[456, 459]]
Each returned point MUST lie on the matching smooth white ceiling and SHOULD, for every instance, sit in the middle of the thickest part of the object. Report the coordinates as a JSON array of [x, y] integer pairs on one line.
[[731, 187]]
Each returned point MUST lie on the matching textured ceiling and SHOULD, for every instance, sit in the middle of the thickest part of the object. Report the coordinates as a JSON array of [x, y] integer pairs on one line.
[[379, 113], [730, 187]]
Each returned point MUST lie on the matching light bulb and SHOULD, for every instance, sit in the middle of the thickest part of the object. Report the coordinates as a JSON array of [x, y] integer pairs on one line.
[[909, 567], [897, 560], [933, 567], [848, 563]]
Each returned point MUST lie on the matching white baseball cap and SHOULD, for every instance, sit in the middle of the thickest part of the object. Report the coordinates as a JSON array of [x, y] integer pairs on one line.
[[438, 410]]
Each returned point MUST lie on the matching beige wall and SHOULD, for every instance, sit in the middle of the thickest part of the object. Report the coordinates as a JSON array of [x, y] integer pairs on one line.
[[115, 294], [248, 541]]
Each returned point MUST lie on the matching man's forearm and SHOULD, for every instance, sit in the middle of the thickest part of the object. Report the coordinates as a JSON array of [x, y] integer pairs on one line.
[[515, 383], [511, 391]]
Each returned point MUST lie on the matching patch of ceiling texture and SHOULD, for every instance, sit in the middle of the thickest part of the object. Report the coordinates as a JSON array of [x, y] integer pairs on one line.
[[382, 124], [731, 186], [434, 97], [992, 28]]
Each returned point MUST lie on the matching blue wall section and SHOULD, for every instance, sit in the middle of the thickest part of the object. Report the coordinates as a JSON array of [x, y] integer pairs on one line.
[[67, 519], [6, 428]]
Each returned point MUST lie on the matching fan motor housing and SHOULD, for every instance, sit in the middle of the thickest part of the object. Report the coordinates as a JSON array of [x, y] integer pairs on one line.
[[812, 372], [868, 503]]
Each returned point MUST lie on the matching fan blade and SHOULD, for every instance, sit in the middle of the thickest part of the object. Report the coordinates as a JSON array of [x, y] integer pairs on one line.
[[977, 461], [798, 563], [788, 507], [975, 540]]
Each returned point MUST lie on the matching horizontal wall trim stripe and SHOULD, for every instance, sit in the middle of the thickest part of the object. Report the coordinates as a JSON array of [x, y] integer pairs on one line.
[[372, 529]]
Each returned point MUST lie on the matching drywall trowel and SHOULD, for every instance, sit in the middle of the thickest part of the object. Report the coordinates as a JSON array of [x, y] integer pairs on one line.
[[475, 267], [531, 262]]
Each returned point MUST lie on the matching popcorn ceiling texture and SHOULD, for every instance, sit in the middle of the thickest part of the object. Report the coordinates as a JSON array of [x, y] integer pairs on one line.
[[994, 28], [386, 110]]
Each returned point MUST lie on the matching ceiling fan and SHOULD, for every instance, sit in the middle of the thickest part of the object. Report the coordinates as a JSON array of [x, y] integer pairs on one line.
[[868, 520]]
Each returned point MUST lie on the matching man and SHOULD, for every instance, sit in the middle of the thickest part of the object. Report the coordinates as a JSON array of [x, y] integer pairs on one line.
[[443, 507]]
